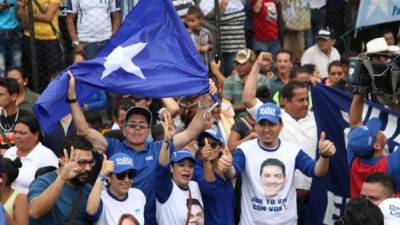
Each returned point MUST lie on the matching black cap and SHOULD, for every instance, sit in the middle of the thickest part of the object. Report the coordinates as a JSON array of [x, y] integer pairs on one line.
[[139, 110], [325, 33]]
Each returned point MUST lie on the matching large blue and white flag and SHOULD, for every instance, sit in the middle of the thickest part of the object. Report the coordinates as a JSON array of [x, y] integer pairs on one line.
[[373, 12], [328, 196], [151, 55]]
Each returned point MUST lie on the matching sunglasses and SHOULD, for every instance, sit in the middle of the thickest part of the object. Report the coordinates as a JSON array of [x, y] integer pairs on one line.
[[140, 126], [129, 173], [83, 163], [214, 144]]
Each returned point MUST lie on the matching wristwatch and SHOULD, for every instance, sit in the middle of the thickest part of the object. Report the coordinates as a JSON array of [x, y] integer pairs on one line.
[[75, 44], [70, 100]]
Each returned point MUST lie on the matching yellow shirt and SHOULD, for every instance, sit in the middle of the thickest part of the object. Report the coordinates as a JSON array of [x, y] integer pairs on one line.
[[43, 30], [9, 204]]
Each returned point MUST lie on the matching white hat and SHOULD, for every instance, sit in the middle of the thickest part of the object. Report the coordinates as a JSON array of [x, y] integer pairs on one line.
[[391, 211], [379, 45]]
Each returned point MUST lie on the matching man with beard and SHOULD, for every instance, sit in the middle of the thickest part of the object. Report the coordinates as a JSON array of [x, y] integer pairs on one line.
[[54, 196]]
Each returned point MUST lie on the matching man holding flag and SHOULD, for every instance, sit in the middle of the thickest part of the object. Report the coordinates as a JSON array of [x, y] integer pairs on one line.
[[366, 149], [328, 197], [136, 130]]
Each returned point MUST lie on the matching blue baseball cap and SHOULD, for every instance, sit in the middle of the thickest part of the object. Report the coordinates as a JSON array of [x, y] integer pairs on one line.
[[213, 133], [361, 139], [269, 111], [122, 162], [180, 155]]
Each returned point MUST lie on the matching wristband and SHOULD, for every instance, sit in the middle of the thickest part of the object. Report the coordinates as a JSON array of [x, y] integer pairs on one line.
[[103, 179], [324, 156], [168, 142], [70, 100]]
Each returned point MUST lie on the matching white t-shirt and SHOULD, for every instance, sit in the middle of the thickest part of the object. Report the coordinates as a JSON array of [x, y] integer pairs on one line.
[[321, 60], [113, 208], [302, 133], [279, 208], [40, 156], [94, 19], [174, 210]]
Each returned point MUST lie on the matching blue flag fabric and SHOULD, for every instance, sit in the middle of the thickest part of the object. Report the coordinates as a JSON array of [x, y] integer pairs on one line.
[[373, 12], [151, 55], [329, 195]]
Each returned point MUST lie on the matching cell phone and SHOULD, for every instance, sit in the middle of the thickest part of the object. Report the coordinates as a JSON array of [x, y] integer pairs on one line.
[[216, 58]]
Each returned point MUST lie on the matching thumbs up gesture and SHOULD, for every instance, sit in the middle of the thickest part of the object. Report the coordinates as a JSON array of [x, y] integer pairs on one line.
[[206, 152], [326, 147], [107, 167], [225, 161]]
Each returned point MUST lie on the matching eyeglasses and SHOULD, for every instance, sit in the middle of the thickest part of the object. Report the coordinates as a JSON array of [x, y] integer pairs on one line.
[[140, 126], [129, 173], [83, 163]]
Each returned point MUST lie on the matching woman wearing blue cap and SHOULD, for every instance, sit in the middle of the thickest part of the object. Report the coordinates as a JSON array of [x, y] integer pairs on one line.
[[216, 189], [174, 192], [118, 197]]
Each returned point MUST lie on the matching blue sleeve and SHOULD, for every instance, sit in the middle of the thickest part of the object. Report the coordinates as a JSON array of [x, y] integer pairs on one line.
[[99, 102], [206, 188], [305, 164], [163, 183], [239, 161], [111, 146], [393, 167], [37, 187]]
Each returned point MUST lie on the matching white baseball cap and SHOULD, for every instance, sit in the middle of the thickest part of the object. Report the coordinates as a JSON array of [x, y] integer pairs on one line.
[[391, 211]]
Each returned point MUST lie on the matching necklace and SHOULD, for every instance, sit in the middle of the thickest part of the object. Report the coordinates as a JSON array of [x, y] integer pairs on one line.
[[8, 128]]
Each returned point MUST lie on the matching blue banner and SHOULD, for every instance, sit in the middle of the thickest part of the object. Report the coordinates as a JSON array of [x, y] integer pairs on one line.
[[373, 12], [151, 55], [328, 196]]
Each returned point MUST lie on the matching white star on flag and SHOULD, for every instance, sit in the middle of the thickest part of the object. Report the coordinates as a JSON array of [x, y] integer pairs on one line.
[[375, 4], [121, 57]]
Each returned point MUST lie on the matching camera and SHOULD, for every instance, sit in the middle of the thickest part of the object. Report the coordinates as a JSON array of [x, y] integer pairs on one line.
[[377, 74]]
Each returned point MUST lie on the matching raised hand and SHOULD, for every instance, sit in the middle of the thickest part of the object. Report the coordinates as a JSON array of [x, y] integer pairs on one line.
[[168, 125], [264, 59], [71, 85], [107, 167], [212, 87], [225, 162], [326, 147], [206, 151], [70, 167]]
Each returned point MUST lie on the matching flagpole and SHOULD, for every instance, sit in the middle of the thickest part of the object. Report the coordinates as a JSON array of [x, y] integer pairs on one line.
[[217, 29]]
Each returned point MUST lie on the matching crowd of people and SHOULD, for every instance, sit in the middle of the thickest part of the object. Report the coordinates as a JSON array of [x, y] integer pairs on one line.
[[129, 160]]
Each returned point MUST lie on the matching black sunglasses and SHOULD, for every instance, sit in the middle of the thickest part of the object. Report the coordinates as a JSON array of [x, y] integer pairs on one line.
[[129, 173], [214, 144]]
